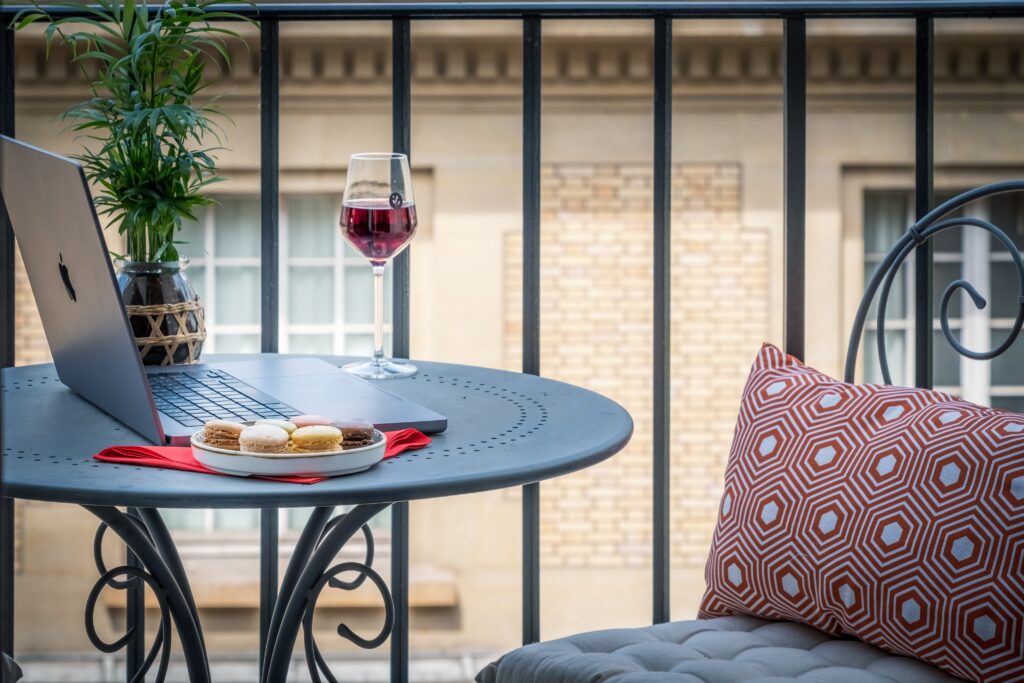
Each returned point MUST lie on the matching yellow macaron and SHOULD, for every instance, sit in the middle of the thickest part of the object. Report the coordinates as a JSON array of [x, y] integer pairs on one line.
[[316, 438]]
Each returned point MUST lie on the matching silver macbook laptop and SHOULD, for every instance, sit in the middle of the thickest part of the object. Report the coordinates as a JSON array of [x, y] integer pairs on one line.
[[68, 266]]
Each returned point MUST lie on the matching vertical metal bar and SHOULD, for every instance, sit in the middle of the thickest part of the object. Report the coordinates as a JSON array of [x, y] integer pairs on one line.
[[400, 592], [7, 105], [270, 120], [924, 164], [401, 117], [268, 573], [135, 616], [531, 306], [662, 307], [401, 121], [794, 114], [7, 578]]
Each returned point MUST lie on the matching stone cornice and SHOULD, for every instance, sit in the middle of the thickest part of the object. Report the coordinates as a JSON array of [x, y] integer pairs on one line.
[[591, 65]]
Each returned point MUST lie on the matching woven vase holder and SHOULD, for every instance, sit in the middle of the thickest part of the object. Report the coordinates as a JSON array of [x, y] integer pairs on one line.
[[170, 343]]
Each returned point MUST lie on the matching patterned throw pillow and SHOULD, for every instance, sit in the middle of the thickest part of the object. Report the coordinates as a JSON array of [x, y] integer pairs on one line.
[[895, 515]]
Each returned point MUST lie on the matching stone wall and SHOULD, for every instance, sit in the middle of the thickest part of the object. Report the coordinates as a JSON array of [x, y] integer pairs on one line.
[[596, 331], [29, 340]]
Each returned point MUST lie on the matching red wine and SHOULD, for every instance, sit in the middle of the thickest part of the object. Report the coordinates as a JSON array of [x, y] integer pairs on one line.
[[376, 229]]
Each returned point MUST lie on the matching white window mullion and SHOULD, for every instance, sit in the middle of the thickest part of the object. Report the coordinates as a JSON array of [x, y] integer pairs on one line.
[[339, 293], [283, 282], [977, 336], [210, 279]]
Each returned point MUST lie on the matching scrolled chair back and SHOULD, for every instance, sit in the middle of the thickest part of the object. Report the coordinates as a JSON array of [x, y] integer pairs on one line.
[[933, 223]]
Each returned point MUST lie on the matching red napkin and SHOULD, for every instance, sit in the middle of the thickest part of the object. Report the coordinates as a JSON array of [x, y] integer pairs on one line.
[[180, 457]]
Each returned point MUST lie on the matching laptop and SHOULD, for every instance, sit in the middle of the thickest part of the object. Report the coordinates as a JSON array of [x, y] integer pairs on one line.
[[61, 241]]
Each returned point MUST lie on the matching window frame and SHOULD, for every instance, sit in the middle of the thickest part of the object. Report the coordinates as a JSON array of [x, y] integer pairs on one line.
[[974, 328], [341, 259]]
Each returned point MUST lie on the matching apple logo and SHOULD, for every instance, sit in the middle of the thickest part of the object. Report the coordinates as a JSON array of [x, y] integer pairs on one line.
[[66, 277]]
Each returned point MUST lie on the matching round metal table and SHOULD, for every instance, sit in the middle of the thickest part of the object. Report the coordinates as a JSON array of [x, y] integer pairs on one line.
[[504, 429]]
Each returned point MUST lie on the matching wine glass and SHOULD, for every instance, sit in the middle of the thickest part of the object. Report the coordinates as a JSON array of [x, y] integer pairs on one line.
[[378, 218]]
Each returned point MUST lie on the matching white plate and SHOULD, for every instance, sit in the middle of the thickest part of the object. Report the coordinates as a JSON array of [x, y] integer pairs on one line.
[[330, 464]]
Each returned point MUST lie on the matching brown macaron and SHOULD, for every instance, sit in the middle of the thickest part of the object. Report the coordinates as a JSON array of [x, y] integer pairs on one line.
[[222, 434], [354, 432]]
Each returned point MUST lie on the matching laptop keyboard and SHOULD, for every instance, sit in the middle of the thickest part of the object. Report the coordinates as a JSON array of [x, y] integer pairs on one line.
[[192, 398]]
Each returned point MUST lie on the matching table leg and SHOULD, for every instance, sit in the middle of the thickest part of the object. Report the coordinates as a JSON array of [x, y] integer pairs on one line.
[[135, 616], [162, 571], [308, 573]]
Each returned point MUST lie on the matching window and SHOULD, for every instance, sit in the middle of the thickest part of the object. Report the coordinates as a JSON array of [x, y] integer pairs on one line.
[[224, 522], [967, 253], [326, 287], [326, 305]]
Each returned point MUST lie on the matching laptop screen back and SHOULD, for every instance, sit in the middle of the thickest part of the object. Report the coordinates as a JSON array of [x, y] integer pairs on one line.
[[67, 263]]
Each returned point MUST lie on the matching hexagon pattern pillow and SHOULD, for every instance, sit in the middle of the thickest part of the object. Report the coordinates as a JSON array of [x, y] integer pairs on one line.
[[895, 515]]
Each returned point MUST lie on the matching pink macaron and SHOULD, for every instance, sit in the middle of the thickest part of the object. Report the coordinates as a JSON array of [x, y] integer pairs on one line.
[[309, 420]]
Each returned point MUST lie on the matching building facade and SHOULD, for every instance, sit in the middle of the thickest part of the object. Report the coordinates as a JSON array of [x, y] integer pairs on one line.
[[596, 307]]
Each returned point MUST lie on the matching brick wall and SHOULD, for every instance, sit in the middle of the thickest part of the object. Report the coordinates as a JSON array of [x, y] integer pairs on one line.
[[29, 340], [596, 331]]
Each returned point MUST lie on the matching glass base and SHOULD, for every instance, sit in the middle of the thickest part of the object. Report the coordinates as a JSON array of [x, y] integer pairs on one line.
[[383, 368]]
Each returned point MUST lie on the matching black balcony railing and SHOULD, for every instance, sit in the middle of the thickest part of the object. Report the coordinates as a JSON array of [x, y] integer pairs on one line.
[[794, 15]]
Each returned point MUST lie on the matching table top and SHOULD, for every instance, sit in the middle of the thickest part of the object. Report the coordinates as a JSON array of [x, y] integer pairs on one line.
[[504, 429]]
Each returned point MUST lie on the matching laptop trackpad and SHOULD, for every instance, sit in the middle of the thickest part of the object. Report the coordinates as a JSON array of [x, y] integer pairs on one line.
[[315, 386]]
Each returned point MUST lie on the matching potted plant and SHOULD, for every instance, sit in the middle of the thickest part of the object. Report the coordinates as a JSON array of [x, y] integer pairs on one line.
[[146, 150]]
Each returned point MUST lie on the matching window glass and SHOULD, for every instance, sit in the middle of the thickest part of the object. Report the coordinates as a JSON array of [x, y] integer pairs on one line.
[[895, 349], [297, 518], [1005, 212], [1008, 369], [312, 225], [359, 344], [197, 277], [885, 219], [238, 343], [237, 232], [238, 295], [232, 520], [945, 361], [311, 343], [943, 274], [1014, 403], [193, 238], [310, 294], [183, 519], [896, 306], [950, 240], [358, 294], [1002, 296]]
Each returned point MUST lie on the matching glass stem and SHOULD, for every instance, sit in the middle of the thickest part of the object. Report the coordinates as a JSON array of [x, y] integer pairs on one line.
[[378, 313]]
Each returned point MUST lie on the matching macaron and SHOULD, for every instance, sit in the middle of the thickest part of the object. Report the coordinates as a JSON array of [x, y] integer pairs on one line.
[[222, 434], [263, 439], [283, 424], [355, 432], [316, 438], [309, 420]]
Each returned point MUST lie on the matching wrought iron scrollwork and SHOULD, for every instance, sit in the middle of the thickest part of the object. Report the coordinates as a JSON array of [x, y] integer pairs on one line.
[[311, 569], [161, 643], [919, 233], [363, 570], [135, 577]]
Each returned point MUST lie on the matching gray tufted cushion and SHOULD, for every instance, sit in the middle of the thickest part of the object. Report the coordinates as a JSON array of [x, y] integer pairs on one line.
[[722, 650]]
